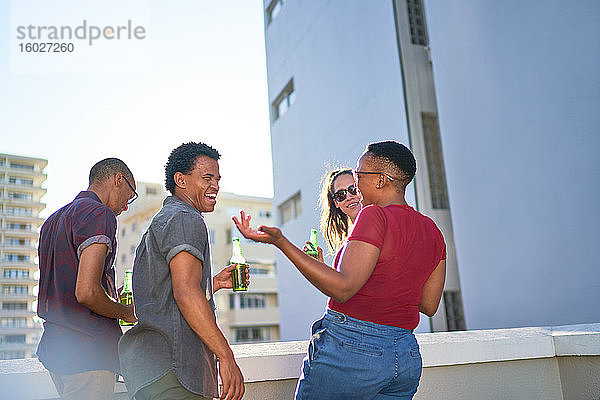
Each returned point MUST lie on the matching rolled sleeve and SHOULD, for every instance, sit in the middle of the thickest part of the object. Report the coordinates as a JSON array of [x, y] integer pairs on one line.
[[92, 240], [184, 247], [97, 225], [182, 231]]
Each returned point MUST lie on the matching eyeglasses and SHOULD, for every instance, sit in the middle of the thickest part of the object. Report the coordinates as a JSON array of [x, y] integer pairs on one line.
[[357, 173], [135, 195], [340, 195]]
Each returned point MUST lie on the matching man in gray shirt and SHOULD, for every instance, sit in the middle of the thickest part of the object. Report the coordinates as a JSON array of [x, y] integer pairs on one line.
[[172, 352]]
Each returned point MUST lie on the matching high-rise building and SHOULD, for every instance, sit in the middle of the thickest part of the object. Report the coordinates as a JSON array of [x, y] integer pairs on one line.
[[251, 316], [21, 191], [342, 74]]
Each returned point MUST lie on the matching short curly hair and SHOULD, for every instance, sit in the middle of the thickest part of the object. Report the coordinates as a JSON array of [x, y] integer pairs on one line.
[[395, 157], [183, 158]]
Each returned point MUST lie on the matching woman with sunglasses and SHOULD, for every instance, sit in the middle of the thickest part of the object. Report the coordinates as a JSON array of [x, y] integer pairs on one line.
[[340, 204], [392, 266]]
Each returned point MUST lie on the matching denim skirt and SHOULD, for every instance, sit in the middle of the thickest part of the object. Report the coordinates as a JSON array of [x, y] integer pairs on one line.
[[353, 359]]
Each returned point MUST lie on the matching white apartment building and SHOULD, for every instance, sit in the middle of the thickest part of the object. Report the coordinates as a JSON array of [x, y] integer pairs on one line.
[[252, 316], [21, 191], [342, 74]]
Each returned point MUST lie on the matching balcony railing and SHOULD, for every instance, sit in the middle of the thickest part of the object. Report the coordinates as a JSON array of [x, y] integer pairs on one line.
[[24, 202], [21, 248], [13, 330], [19, 280], [17, 313], [22, 233], [24, 185], [559, 363], [254, 316], [17, 296], [31, 218]]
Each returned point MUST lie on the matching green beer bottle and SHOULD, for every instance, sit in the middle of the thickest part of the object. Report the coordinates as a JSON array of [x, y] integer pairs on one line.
[[126, 297], [312, 245], [238, 275]]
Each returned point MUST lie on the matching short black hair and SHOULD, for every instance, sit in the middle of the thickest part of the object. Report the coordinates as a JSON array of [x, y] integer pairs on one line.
[[183, 158], [398, 155], [102, 170]]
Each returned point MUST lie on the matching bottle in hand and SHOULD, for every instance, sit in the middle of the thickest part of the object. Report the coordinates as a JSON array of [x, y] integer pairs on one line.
[[238, 275], [312, 245], [126, 296]]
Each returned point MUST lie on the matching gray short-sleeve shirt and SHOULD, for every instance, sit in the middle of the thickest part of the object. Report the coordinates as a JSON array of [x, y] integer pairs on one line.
[[162, 340]]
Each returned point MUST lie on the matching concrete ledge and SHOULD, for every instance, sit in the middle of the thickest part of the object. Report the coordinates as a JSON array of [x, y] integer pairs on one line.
[[454, 362], [439, 349], [270, 361]]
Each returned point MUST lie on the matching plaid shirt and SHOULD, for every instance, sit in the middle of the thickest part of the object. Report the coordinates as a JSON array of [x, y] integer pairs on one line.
[[76, 339]]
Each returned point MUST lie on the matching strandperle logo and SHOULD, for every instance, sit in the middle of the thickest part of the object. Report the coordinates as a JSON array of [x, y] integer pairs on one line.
[[84, 31]]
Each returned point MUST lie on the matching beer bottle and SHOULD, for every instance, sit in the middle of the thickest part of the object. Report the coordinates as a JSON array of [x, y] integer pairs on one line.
[[312, 245], [238, 275], [126, 296]]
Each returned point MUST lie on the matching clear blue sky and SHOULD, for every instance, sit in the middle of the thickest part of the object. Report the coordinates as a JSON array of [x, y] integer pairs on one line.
[[205, 81]]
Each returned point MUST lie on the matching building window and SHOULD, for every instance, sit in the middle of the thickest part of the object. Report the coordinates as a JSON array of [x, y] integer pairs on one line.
[[151, 190], [258, 269], [132, 251], [20, 196], [11, 258], [284, 100], [133, 227], [20, 322], [264, 213], [21, 166], [454, 311], [16, 274], [123, 259], [290, 209], [19, 211], [252, 334], [17, 242], [14, 306], [20, 181], [244, 301], [14, 290], [18, 227], [273, 9], [12, 339], [416, 22], [12, 354], [123, 232], [253, 300], [211, 236], [435, 161]]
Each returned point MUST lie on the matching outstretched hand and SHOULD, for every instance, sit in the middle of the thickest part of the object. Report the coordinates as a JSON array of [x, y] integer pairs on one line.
[[264, 234]]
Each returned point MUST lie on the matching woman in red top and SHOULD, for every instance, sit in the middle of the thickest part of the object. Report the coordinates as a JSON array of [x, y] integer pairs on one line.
[[392, 266]]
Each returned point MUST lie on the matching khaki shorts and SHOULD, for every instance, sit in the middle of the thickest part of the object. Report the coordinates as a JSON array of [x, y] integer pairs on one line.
[[167, 388], [89, 385]]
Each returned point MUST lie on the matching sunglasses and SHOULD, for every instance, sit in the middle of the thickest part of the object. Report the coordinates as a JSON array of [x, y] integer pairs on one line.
[[357, 173], [340, 195]]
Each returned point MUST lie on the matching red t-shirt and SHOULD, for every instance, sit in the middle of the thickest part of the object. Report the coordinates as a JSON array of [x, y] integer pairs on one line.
[[410, 246]]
